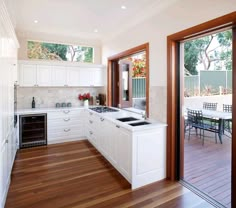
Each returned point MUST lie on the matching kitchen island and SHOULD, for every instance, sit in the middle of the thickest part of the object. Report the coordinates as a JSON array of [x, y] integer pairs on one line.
[[134, 146]]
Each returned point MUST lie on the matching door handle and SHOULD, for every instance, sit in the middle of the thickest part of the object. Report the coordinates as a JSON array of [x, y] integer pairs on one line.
[[66, 130], [66, 119], [117, 126], [66, 112]]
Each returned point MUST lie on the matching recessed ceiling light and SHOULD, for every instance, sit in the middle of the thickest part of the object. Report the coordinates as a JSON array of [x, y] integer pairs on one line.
[[123, 7], [95, 30], [36, 21]]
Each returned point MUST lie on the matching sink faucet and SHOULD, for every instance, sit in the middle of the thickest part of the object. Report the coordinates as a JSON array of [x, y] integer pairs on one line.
[[144, 115]]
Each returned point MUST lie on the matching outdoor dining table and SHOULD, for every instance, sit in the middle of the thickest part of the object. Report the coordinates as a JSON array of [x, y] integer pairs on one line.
[[217, 115]]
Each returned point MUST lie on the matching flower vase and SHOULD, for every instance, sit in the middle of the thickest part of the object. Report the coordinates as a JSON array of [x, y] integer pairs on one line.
[[86, 103]]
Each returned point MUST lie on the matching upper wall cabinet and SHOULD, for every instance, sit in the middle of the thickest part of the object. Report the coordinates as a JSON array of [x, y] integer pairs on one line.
[[59, 76], [73, 76], [28, 75], [44, 75], [41, 74]]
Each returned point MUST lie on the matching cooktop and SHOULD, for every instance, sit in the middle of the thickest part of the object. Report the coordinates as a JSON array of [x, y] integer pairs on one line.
[[103, 109]]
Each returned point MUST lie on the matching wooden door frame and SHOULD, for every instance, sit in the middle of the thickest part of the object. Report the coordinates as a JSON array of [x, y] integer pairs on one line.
[[129, 52], [225, 22]]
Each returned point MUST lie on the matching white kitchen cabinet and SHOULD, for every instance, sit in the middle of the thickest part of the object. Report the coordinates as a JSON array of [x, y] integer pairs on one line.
[[4, 174], [85, 77], [91, 77], [28, 75], [124, 150], [59, 76], [65, 125], [111, 139], [33, 73], [97, 77], [8, 54], [44, 76], [73, 76]]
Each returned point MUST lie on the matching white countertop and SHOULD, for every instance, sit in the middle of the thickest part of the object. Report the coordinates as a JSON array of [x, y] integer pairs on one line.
[[111, 116], [44, 110]]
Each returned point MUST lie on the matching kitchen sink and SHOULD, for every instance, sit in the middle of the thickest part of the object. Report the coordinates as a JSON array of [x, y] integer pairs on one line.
[[139, 123], [127, 119]]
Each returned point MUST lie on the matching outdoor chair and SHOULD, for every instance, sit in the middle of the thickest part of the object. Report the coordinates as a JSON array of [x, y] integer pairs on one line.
[[213, 107], [210, 106], [195, 120], [228, 122]]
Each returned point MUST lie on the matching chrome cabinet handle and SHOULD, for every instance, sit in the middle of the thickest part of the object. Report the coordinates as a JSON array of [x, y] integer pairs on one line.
[[90, 132], [66, 112], [101, 119], [7, 141], [90, 121], [91, 113], [66, 119], [117, 126], [66, 130]]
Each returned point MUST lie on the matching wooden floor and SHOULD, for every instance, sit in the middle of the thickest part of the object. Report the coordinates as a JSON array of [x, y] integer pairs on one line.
[[208, 167], [75, 175]]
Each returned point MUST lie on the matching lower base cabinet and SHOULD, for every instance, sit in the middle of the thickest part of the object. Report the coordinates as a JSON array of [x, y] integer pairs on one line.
[[138, 155], [7, 156], [65, 125]]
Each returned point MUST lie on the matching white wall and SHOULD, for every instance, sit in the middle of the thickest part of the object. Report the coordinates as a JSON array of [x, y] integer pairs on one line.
[[180, 15], [23, 37]]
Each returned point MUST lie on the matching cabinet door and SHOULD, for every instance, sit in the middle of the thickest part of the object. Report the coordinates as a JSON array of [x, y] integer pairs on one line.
[[97, 77], [59, 76], [44, 77], [28, 75], [72, 76], [103, 133], [124, 152], [85, 77], [112, 144], [3, 170]]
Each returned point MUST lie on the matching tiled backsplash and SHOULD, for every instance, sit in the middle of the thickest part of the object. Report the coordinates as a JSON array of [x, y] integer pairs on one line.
[[48, 97]]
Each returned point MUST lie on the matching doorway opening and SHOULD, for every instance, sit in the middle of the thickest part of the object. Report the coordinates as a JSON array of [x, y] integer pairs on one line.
[[206, 87], [175, 118], [128, 80]]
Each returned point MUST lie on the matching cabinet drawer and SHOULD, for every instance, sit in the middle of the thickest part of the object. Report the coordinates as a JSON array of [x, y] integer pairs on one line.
[[65, 113], [66, 121], [66, 132]]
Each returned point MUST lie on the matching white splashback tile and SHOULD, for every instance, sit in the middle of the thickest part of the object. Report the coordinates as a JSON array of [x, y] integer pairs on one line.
[[48, 97]]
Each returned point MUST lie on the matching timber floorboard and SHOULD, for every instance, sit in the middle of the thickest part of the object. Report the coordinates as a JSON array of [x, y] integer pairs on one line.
[[75, 175], [208, 167]]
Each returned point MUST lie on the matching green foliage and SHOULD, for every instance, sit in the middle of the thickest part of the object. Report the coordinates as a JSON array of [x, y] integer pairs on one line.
[[52, 51], [58, 49], [88, 55], [191, 57], [197, 52]]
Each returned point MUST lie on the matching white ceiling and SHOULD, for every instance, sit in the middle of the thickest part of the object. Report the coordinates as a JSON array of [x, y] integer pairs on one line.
[[80, 17]]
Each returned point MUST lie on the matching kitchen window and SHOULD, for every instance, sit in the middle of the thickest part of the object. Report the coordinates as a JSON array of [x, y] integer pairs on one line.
[[59, 52]]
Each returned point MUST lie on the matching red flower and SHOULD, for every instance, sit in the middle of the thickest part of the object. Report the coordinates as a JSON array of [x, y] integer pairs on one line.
[[85, 96]]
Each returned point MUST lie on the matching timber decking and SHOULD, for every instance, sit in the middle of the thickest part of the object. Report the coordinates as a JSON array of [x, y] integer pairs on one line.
[[75, 175], [208, 167]]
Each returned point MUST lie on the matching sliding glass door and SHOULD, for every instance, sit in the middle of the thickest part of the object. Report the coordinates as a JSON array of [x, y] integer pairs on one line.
[[205, 115]]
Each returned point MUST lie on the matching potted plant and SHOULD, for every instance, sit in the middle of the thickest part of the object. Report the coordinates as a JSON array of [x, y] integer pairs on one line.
[[85, 97]]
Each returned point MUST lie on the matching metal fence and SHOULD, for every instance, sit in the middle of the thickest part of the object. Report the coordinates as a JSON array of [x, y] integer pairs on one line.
[[208, 83], [139, 87]]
